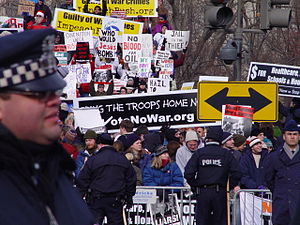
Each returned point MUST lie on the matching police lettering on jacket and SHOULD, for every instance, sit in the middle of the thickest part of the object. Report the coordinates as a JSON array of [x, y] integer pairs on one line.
[[211, 162]]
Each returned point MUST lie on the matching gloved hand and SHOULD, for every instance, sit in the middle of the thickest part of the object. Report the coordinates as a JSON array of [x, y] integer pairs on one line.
[[129, 202]]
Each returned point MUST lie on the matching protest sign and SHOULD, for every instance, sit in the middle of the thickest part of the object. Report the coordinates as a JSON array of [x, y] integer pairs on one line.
[[60, 52], [67, 20], [70, 89], [160, 54], [177, 40], [118, 84], [9, 21], [82, 72], [144, 67], [71, 38], [120, 14], [178, 108], [187, 85], [286, 76], [147, 45], [25, 6], [131, 8], [112, 24], [158, 85], [237, 119], [95, 122], [132, 48], [107, 46], [166, 68]]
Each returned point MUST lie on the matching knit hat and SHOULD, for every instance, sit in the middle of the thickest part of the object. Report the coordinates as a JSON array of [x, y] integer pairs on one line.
[[191, 135], [128, 139], [291, 125], [256, 131], [90, 134], [160, 150], [215, 133], [142, 129], [253, 141], [226, 137], [64, 106], [40, 13], [239, 140], [104, 139], [268, 142]]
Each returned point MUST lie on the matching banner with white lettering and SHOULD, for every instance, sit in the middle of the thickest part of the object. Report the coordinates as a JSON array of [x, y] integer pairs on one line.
[[71, 38], [158, 85], [132, 48], [286, 76], [177, 108], [82, 72], [107, 46], [177, 40], [144, 67]]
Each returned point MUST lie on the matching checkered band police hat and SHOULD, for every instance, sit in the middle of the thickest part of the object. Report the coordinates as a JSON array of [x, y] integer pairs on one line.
[[27, 62]]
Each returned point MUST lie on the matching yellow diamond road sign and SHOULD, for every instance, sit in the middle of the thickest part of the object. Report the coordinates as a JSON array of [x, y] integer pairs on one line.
[[262, 96]]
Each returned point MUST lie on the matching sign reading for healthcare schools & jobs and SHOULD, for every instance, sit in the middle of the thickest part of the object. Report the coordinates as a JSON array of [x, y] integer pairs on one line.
[[262, 96], [178, 108], [287, 77]]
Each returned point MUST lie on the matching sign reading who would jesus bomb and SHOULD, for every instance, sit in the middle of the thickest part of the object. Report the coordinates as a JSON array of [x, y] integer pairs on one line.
[[287, 77]]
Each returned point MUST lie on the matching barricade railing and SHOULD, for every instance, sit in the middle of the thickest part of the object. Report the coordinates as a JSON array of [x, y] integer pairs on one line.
[[252, 207], [155, 205]]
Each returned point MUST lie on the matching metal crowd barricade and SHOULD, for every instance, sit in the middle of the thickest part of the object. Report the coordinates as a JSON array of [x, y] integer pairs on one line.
[[162, 205], [252, 207]]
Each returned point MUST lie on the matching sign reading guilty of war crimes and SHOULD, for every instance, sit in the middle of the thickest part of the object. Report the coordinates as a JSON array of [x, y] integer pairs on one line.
[[71, 39], [67, 20], [287, 77], [132, 8], [177, 40], [107, 46], [178, 108], [132, 48]]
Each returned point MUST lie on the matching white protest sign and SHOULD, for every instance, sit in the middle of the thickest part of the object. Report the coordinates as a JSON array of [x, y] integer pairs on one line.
[[166, 68], [213, 78], [144, 67], [158, 85], [82, 72], [107, 46], [89, 119], [187, 86], [71, 38], [147, 45], [70, 88], [144, 196], [177, 40], [112, 24], [132, 48], [162, 54], [118, 84]]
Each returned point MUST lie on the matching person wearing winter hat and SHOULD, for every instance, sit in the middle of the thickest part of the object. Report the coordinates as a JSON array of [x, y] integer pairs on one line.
[[252, 165], [42, 7], [90, 149], [185, 152], [207, 173], [282, 175], [239, 142], [228, 143]]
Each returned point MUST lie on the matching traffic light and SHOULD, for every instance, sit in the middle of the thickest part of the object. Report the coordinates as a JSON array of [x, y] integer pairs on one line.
[[274, 13], [217, 15]]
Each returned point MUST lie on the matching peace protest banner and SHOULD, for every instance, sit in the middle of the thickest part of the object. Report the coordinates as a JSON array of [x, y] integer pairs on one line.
[[178, 108], [67, 20], [107, 46], [177, 40], [82, 72], [132, 48], [158, 85], [132, 8], [71, 39], [144, 65]]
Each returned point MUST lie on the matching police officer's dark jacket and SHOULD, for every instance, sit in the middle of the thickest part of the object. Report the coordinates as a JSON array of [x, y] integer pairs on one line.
[[107, 173], [33, 179], [212, 165]]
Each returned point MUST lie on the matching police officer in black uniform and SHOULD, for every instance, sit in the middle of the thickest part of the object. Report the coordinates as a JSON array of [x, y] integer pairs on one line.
[[107, 181], [207, 173]]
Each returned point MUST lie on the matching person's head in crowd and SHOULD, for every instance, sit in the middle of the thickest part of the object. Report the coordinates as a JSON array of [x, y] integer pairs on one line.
[[201, 131], [97, 10], [133, 141], [58, 39], [255, 145], [191, 140], [172, 147], [126, 126], [142, 86], [141, 131], [90, 138], [69, 121], [130, 82], [170, 135], [267, 129], [180, 134], [68, 134], [104, 139], [63, 112], [268, 144], [227, 140], [164, 28], [118, 145], [258, 133], [291, 134], [100, 88], [123, 90], [161, 157], [41, 2], [39, 17], [162, 18], [214, 134], [130, 90], [239, 142]]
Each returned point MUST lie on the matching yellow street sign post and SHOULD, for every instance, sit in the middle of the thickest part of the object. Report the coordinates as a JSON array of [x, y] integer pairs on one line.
[[262, 96]]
